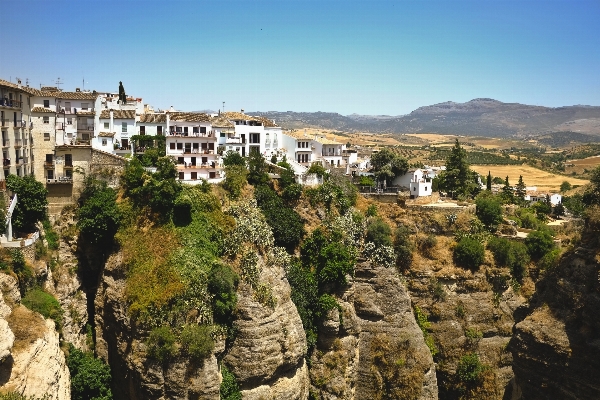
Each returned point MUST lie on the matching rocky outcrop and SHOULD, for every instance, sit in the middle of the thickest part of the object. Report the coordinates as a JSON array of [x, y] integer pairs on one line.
[[556, 341], [373, 348], [35, 365], [267, 355], [122, 346]]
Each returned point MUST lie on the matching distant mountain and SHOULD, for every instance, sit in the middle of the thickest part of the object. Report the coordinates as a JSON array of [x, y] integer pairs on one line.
[[478, 117]]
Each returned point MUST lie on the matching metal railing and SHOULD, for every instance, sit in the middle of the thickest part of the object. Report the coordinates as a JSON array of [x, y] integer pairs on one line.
[[11, 103]]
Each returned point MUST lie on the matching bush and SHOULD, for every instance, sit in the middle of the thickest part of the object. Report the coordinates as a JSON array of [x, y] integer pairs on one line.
[[469, 369], [305, 295], [98, 216], [424, 325], [44, 303], [233, 158], [489, 211], [427, 244], [31, 201], [230, 389], [90, 377], [513, 255], [403, 247], [469, 253], [196, 341], [539, 243], [161, 344], [235, 180], [371, 211], [222, 284], [51, 235], [549, 260], [292, 192], [378, 232]]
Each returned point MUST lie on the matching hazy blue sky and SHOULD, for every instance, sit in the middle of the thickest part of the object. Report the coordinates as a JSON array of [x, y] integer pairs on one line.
[[366, 57]]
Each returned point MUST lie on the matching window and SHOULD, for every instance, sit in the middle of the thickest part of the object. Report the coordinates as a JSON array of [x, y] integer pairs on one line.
[[68, 106], [69, 173], [180, 160], [68, 160], [46, 120], [159, 131], [124, 127], [106, 125], [49, 158], [69, 121], [142, 130], [104, 142], [85, 136], [255, 138], [46, 103], [46, 135], [181, 176], [172, 146], [196, 129], [50, 174], [179, 146], [84, 106], [222, 134], [194, 176]]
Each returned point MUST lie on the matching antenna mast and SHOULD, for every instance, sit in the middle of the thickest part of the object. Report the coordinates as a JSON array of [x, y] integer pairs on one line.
[[58, 82], [223, 106]]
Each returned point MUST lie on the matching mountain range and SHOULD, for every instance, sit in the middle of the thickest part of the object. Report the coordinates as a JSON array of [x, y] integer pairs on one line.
[[478, 117]]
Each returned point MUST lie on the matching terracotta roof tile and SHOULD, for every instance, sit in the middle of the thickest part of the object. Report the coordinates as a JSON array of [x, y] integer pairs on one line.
[[118, 114], [75, 95], [189, 117], [266, 122], [232, 115], [221, 122], [42, 110], [324, 140], [153, 118]]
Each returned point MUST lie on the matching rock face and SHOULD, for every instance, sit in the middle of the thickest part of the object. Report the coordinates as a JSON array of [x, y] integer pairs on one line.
[[556, 341], [35, 365], [267, 356], [373, 348]]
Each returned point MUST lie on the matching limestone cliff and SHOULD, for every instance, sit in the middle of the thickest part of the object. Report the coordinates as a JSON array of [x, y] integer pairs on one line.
[[33, 364], [556, 341], [373, 348], [266, 355]]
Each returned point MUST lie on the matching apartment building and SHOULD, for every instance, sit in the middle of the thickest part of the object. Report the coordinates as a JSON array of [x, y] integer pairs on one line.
[[252, 133], [192, 143], [15, 129]]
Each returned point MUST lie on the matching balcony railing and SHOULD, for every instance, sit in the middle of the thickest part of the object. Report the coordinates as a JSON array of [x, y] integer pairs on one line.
[[173, 132], [20, 124], [86, 127], [60, 180], [6, 162], [68, 163], [11, 103], [18, 143], [233, 140], [48, 164]]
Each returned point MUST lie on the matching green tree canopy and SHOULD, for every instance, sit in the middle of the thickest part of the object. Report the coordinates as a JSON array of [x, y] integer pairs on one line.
[[488, 182], [386, 165], [489, 211], [98, 215], [257, 169], [565, 186], [90, 377], [458, 179], [31, 201], [233, 158], [520, 189], [592, 194]]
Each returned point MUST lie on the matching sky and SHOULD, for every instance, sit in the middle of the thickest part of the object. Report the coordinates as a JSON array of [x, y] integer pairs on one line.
[[345, 56]]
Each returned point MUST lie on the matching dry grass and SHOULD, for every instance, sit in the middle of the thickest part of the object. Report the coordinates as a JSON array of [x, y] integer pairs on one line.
[[545, 181], [579, 166], [27, 326]]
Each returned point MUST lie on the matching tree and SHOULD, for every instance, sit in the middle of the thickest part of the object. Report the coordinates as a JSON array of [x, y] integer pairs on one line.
[[458, 179], [387, 165], [257, 169], [489, 211], [122, 95], [497, 180], [520, 189], [469, 253], [31, 202], [488, 182], [565, 186], [233, 158], [539, 243], [98, 215], [318, 169], [378, 232], [592, 194], [90, 377], [508, 192]]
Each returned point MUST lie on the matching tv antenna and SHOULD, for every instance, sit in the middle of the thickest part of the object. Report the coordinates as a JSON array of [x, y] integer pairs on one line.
[[58, 82], [223, 106]]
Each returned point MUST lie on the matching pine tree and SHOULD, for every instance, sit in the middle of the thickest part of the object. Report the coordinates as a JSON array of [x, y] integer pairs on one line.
[[488, 183], [507, 192], [520, 191], [458, 179]]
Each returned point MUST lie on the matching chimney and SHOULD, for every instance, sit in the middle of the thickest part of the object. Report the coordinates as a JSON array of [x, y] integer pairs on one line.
[[171, 109], [242, 110], [77, 90]]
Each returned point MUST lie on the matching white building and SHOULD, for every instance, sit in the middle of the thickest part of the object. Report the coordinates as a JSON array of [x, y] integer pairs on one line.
[[416, 180], [192, 142]]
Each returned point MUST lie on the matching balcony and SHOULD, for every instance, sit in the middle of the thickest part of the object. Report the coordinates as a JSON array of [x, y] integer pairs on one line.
[[233, 140], [10, 103], [275, 143], [49, 164], [25, 160], [68, 164], [20, 124], [18, 143], [5, 143], [173, 132], [86, 127], [6, 162], [267, 142], [60, 180]]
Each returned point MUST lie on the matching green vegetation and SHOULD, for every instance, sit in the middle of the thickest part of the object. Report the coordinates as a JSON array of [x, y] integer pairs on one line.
[[90, 377], [196, 341], [98, 216], [403, 247], [511, 254], [539, 243], [565, 186], [161, 344], [458, 179], [230, 389], [469, 253], [592, 194], [44, 303], [51, 235], [424, 325], [233, 158], [386, 165], [31, 202], [470, 369], [489, 211], [378, 232], [317, 169]]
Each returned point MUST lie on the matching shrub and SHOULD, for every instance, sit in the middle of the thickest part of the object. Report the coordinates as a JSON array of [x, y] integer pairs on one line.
[[98, 215], [51, 235], [31, 201], [378, 232], [235, 180], [230, 389], [305, 295], [233, 158], [489, 211], [469, 253], [424, 325], [403, 247], [469, 369], [371, 211], [513, 255], [90, 377], [427, 244], [549, 260], [539, 243], [161, 344], [292, 192], [44, 303], [317, 169], [222, 284], [196, 341]]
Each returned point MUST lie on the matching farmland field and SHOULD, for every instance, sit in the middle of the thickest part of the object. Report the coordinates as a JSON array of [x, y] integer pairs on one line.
[[579, 166], [545, 181]]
